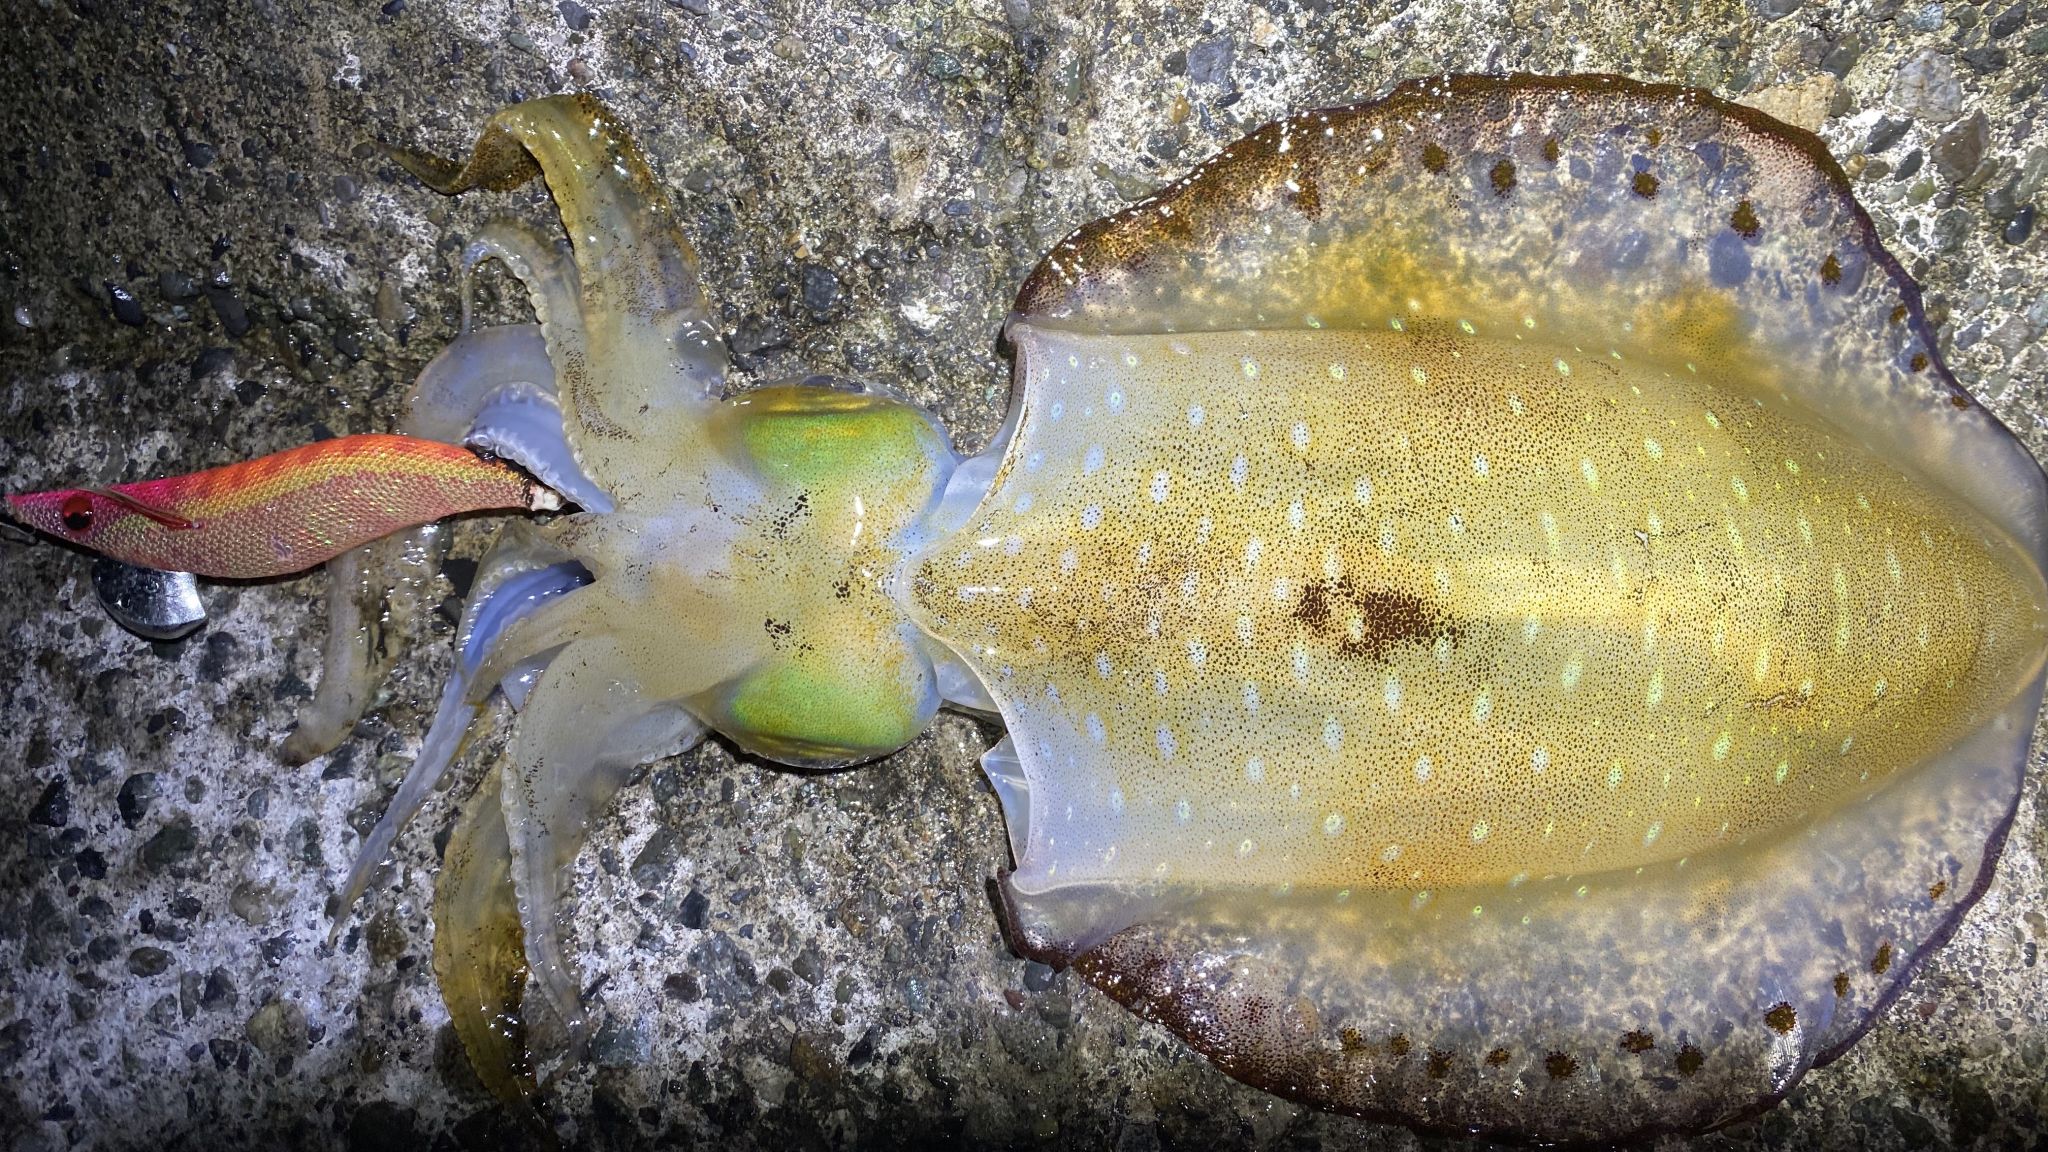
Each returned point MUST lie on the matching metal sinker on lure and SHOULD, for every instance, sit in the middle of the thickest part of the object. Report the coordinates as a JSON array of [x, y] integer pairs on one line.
[[1503, 619]]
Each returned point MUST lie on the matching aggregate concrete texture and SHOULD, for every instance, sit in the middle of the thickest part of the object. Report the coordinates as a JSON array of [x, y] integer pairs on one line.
[[204, 257]]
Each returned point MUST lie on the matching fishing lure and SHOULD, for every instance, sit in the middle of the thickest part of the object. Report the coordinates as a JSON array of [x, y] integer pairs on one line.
[[1503, 621], [282, 513]]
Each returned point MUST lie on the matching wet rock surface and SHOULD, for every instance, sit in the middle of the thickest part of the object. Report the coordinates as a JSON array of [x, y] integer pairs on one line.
[[204, 256]]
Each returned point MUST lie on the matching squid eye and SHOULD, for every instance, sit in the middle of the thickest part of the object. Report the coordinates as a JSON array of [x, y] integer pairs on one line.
[[76, 512]]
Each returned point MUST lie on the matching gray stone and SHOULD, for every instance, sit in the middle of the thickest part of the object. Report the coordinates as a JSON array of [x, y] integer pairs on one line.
[[1885, 133], [2033, 173], [1209, 61], [1037, 977], [695, 910], [219, 991], [1951, 228], [657, 859], [171, 846], [53, 808], [1958, 151], [1925, 87], [254, 903], [278, 1029], [622, 1043], [137, 793], [1843, 56], [820, 287]]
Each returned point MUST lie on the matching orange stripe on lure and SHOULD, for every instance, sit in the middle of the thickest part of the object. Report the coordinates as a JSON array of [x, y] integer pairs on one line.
[[284, 512]]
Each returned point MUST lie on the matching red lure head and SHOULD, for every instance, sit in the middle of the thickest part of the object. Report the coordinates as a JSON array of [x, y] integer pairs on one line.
[[82, 515], [72, 514]]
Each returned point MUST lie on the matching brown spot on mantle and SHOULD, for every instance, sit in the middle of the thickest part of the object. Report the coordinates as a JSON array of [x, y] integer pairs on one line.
[[1502, 177], [1744, 221], [1309, 201], [1388, 617], [1781, 1017]]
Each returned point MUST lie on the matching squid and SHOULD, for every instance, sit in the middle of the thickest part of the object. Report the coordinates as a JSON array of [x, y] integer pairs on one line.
[[1502, 618]]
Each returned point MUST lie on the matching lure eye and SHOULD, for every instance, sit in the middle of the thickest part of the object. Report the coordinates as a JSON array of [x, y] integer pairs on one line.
[[76, 512]]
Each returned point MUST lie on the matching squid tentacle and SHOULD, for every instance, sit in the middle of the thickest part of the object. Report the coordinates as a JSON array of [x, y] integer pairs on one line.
[[383, 583], [585, 727], [521, 573], [372, 592], [651, 357], [522, 419], [539, 263]]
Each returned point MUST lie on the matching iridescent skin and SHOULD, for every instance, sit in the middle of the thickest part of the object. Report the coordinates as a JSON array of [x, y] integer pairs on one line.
[[1504, 622], [1387, 612]]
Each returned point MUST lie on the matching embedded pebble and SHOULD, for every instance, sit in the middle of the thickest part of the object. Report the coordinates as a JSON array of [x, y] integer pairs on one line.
[[176, 286], [2021, 227], [1958, 151], [1885, 133], [278, 1029], [622, 1043], [171, 845], [656, 860], [1209, 61], [53, 808], [1925, 86], [820, 288], [127, 309], [695, 910], [812, 1058]]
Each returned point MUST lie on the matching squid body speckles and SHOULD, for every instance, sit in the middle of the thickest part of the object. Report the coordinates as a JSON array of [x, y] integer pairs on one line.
[[1503, 620], [1535, 633]]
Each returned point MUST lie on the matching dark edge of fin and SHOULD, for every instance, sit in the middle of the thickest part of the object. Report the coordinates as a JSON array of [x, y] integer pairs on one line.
[[1994, 851], [1101, 969], [1116, 980], [1042, 287], [1114, 977]]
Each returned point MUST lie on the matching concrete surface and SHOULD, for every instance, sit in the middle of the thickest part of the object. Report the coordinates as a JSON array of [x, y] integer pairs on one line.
[[206, 259]]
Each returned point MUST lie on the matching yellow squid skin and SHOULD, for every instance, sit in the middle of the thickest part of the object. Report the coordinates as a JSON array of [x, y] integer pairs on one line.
[[1503, 621]]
